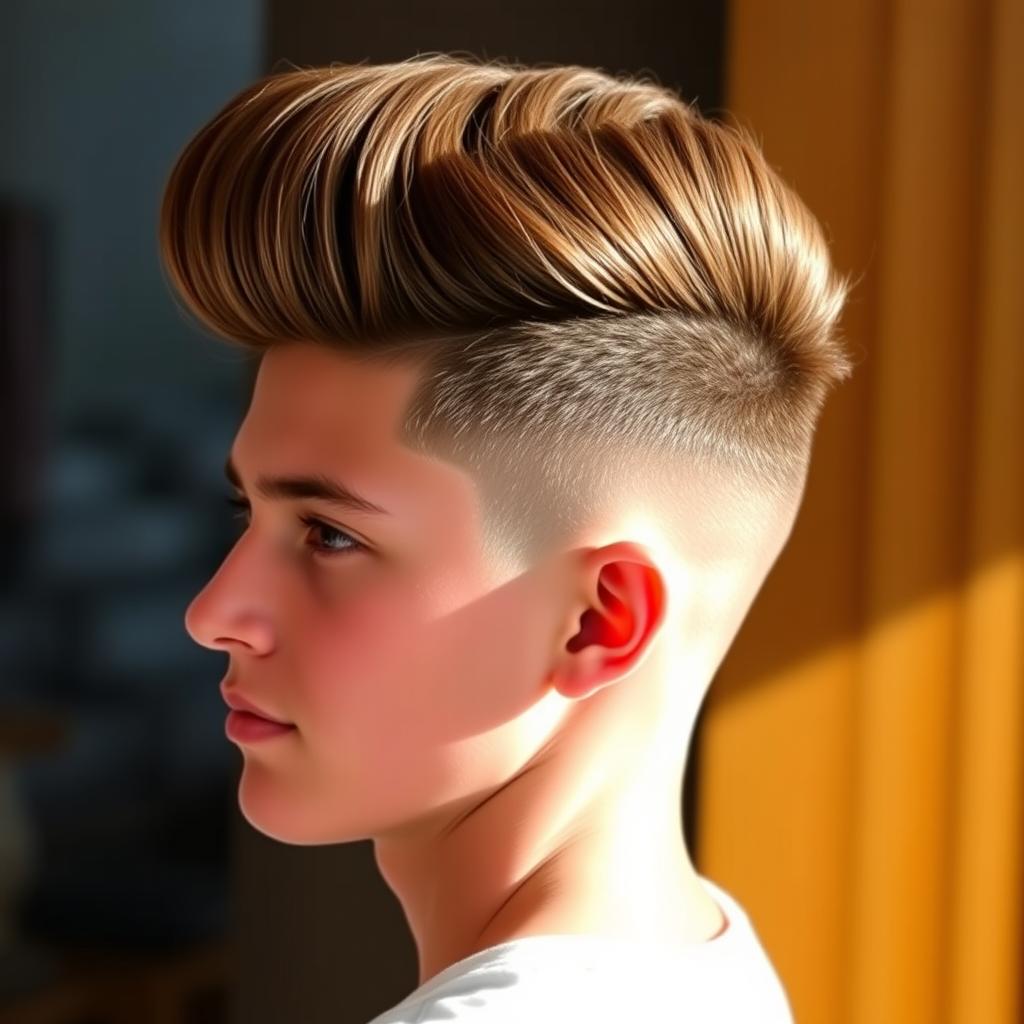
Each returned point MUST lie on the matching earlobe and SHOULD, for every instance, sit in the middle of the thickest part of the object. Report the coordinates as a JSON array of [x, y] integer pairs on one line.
[[626, 608]]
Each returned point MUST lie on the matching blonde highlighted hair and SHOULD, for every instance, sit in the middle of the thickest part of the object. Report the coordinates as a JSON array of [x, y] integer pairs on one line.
[[602, 286]]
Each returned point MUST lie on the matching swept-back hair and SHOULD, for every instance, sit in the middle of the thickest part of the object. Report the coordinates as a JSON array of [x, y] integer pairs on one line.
[[603, 287]]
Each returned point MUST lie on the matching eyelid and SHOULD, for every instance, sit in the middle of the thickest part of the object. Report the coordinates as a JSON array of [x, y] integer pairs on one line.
[[238, 499]]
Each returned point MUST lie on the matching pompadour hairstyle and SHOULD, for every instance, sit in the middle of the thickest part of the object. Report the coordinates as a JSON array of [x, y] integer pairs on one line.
[[602, 286]]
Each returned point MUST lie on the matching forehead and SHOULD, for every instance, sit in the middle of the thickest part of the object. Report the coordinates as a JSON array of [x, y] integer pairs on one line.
[[316, 406], [317, 411], [325, 397]]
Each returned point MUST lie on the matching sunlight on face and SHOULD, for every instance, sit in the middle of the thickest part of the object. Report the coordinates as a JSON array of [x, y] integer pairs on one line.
[[415, 677]]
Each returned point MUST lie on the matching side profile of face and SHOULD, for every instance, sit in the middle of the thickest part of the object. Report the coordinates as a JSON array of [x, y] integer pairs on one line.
[[413, 676], [512, 742]]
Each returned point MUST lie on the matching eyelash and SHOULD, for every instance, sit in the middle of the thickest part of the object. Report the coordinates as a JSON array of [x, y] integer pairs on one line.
[[313, 523]]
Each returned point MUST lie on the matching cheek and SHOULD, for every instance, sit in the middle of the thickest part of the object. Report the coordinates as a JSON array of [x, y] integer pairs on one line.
[[407, 664], [392, 669], [410, 697]]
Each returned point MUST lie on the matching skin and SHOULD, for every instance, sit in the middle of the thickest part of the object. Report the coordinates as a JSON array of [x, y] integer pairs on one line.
[[514, 746]]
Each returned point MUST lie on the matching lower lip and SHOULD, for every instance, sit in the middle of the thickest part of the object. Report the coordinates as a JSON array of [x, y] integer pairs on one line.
[[248, 728]]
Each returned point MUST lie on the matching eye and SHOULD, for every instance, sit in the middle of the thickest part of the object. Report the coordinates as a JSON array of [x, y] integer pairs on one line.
[[327, 550]]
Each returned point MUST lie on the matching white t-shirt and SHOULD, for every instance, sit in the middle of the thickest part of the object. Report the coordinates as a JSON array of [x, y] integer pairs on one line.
[[597, 979]]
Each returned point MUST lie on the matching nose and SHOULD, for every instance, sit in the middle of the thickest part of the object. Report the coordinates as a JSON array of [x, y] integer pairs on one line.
[[226, 615]]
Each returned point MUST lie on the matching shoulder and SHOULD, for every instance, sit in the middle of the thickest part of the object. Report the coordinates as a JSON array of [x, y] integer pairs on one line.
[[501, 993]]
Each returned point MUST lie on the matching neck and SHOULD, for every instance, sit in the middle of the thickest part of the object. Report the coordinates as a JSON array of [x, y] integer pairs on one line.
[[572, 844]]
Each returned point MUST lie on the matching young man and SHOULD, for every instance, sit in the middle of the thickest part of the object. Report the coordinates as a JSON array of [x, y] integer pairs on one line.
[[541, 353]]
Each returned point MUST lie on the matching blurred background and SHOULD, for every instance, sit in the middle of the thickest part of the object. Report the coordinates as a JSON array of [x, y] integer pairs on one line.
[[856, 776]]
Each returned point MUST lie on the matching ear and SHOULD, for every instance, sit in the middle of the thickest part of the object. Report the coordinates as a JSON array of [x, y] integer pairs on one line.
[[624, 599]]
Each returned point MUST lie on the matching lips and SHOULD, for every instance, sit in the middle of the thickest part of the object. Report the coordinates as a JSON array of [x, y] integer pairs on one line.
[[240, 703]]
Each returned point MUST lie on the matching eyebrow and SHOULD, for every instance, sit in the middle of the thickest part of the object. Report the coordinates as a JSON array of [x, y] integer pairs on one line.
[[286, 488]]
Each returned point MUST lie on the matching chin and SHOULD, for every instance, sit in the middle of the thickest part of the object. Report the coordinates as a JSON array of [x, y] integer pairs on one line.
[[280, 816]]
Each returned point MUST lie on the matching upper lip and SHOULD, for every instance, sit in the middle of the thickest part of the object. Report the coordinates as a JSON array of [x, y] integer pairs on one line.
[[240, 703]]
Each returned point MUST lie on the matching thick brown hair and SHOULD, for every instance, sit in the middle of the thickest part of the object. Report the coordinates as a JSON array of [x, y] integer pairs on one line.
[[607, 291]]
